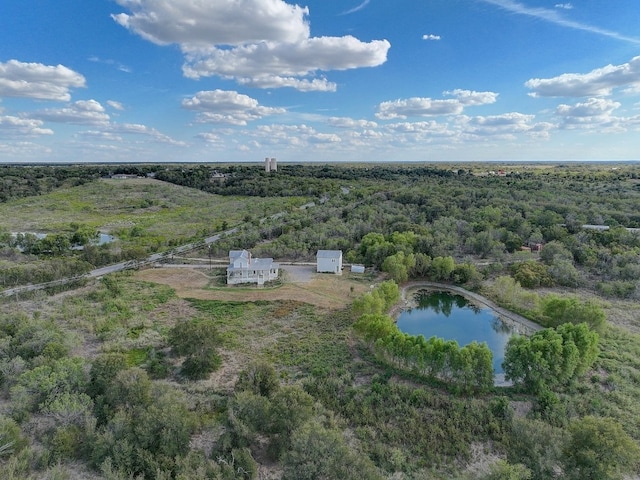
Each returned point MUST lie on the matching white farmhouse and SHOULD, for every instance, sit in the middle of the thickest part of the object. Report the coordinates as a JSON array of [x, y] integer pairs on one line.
[[245, 269], [329, 261]]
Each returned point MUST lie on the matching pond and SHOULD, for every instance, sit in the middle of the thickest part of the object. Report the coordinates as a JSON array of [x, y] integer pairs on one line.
[[453, 317]]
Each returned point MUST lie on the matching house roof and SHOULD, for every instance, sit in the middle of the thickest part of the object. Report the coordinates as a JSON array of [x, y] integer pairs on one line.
[[233, 254], [329, 254], [263, 263], [247, 262]]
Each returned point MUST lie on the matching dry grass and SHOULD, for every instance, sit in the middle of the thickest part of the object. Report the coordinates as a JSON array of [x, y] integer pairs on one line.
[[329, 292]]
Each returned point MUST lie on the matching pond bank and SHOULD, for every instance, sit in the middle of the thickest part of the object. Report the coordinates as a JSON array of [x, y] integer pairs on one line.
[[522, 325]]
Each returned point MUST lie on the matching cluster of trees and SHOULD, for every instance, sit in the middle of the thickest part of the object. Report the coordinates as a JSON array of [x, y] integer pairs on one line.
[[399, 255], [469, 368], [298, 431], [17, 181], [549, 310], [54, 244], [107, 412], [551, 358], [467, 215]]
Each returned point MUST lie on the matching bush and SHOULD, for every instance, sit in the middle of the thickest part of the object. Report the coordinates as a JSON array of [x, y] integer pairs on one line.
[[198, 341], [532, 274], [259, 378]]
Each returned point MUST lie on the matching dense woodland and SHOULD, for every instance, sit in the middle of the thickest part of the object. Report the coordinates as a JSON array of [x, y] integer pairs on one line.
[[114, 379]]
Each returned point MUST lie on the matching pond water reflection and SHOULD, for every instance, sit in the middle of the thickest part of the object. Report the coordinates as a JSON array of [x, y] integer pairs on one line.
[[452, 317]]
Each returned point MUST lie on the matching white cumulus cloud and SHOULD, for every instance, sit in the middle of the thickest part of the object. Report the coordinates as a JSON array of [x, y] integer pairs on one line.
[[590, 113], [115, 105], [82, 112], [11, 125], [35, 80], [224, 106], [470, 97], [193, 23], [139, 129], [346, 122], [425, 106], [431, 36], [262, 43], [600, 81], [278, 60]]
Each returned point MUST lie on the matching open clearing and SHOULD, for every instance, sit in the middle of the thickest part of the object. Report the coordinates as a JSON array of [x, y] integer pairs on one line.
[[322, 290]]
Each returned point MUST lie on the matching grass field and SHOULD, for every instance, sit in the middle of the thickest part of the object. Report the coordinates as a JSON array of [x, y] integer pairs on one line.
[[323, 290], [158, 208]]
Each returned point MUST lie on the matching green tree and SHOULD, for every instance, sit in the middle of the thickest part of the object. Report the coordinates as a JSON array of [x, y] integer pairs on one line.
[[474, 369], [537, 362], [586, 342], [557, 310], [319, 453], [532, 274], [555, 251], [260, 378], [399, 265], [422, 265], [442, 268], [198, 340], [290, 408], [372, 326], [38, 387], [599, 449], [550, 358], [502, 470], [467, 274], [537, 445]]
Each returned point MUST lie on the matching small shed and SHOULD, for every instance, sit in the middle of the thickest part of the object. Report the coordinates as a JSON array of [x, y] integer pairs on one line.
[[329, 261], [357, 268]]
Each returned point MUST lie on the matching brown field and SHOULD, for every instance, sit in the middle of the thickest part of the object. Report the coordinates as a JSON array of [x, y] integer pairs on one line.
[[322, 290]]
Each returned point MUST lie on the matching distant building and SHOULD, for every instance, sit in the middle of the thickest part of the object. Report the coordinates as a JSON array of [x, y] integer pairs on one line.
[[536, 247], [245, 269], [329, 261], [270, 164], [357, 268], [217, 176], [123, 176]]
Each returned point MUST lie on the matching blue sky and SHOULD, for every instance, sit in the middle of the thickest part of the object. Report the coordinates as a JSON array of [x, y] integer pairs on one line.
[[362, 80]]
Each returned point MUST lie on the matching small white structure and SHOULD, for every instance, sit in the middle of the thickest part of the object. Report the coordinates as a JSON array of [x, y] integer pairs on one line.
[[357, 268], [329, 261], [245, 269]]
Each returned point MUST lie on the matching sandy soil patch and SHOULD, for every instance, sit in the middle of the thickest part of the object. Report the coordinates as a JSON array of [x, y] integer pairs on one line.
[[323, 290]]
